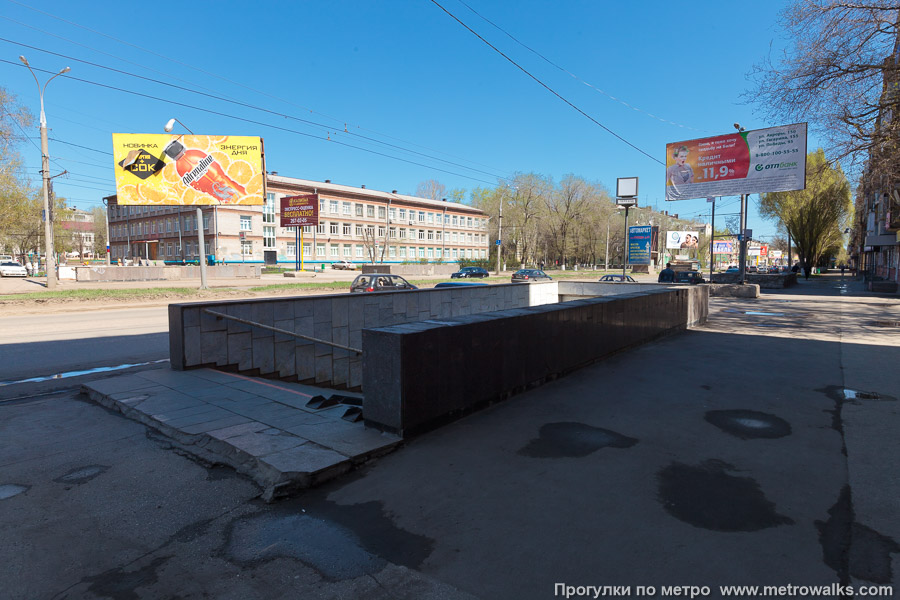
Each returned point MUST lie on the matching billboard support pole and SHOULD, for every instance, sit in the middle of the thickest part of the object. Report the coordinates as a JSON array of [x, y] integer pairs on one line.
[[743, 251], [712, 239], [625, 245], [202, 250]]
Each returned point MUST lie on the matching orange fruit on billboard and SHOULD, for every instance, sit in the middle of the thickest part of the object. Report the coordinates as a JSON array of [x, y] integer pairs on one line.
[[240, 171], [151, 193]]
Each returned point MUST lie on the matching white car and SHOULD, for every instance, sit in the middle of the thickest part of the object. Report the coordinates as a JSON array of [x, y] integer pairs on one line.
[[343, 264], [12, 269]]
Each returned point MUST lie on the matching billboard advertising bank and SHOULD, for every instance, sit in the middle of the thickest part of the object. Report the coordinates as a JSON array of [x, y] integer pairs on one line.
[[749, 162], [186, 170]]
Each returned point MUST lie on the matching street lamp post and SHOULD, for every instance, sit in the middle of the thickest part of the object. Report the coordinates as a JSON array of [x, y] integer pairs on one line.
[[45, 173], [500, 233]]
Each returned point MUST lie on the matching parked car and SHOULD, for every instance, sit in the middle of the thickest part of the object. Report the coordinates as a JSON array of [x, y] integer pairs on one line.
[[12, 269], [529, 275], [345, 265], [467, 272], [446, 284], [688, 277], [752, 269], [617, 279], [733, 270], [380, 282]]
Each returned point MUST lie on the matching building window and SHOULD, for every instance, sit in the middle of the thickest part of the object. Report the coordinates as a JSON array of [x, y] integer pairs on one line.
[[347, 228], [454, 221], [320, 228], [359, 230], [307, 250], [346, 208], [335, 251], [322, 205], [206, 223], [402, 251], [392, 214], [370, 211], [402, 214], [333, 228], [307, 228], [431, 217], [430, 234], [348, 249], [439, 252], [359, 210], [333, 205], [421, 216], [402, 233], [269, 209], [437, 235], [381, 212], [393, 233], [453, 252], [246, 223], [268, 236], [421, 234], [246, 247], [381, 231], [359, 251], [469, 222], [320, 250], [291, 249], [421, 252], [431, 253]]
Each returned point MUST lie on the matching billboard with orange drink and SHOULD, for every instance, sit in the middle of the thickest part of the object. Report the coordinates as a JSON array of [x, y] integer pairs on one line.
[[186, 170]]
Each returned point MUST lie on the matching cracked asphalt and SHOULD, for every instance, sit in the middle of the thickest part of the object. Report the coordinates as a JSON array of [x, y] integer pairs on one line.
[[760, 449]]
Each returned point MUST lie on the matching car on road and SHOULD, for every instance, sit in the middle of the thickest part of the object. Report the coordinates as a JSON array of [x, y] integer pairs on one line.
[[380, 282], [468, 272], [733, 270], [617, 279], [688, 277], [529, 275], [12, 269], [345, 265]]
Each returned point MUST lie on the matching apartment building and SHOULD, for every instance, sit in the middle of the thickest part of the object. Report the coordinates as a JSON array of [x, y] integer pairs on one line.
[[355, 224]]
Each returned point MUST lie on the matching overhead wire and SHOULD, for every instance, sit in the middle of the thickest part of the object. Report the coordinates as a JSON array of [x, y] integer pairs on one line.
[[545, 86], [254, 122], [573, 75], [242, 85]]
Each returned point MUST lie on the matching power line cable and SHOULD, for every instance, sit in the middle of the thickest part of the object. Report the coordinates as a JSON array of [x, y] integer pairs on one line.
[[545, 86], [573, 75], [251, 121]]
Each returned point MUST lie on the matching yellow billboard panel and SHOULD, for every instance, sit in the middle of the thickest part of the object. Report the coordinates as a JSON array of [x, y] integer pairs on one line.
[[166, 169]]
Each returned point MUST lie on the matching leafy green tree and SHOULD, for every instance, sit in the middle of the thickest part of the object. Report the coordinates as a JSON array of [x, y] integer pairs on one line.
[[815, 217]]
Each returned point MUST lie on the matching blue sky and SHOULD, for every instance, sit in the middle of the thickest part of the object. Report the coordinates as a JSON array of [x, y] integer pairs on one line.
[[402, 73]]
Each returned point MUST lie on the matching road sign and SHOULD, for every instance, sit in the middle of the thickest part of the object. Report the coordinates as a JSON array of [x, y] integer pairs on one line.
[[626, 201], [498, 242]]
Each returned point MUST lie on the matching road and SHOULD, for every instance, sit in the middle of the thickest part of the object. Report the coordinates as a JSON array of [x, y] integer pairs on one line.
[[40, 345]]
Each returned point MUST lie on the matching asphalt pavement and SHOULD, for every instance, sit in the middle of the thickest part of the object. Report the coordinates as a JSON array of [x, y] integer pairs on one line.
[[757, 450]]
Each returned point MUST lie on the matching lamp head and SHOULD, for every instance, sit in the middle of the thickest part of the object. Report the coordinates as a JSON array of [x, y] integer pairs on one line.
[[66, 70], [24, 60], [170, 125], [738, 127]]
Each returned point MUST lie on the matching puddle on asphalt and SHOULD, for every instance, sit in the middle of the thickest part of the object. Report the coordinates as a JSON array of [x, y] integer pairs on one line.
[[851, 395], [749, 424], [573, 440], [339, 542], [68, 374], [81, 475], [707, 496], [869, 555], [8, 490]]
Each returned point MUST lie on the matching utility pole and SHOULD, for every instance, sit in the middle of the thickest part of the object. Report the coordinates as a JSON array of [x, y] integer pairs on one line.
[[500, 234], [712, 237], [45, 173], [743, 238]]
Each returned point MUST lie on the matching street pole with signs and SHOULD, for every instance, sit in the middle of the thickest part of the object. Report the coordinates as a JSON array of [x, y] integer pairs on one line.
[[626, 195]]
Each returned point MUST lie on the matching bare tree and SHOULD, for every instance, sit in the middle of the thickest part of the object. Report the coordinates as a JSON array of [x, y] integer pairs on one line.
[[841, 72], [431, 189]]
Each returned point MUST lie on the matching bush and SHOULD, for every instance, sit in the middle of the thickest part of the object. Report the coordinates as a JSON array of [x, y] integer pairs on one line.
[[484, 263]]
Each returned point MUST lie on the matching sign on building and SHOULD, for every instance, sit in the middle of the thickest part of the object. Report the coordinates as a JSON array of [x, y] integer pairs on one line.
[[299, 211], [746, 162], [186, 170], [682, 239]]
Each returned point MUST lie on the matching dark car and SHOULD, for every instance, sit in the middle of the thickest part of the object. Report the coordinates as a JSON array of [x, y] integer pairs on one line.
[[380, 282], [617, 279], [688, 277], [529, 275], [467, 272]]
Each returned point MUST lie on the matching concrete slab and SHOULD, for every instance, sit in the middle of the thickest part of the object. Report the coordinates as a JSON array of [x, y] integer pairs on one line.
[[244, 422]]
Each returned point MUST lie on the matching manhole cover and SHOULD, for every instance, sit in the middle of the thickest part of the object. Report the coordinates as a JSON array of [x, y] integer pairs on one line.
[[885, 323]]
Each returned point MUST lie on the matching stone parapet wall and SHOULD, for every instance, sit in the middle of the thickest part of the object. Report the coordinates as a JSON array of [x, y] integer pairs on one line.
[[774, 281], [412, 270], [161, 273], [428, 372], [197, 339]]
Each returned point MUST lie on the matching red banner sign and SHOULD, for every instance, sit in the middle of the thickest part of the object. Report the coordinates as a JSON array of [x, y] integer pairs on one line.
[[298, 211]]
